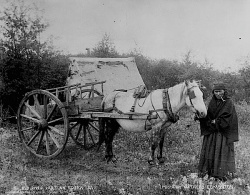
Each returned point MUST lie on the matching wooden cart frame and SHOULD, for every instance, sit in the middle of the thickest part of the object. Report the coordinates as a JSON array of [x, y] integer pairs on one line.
[[46, 118]]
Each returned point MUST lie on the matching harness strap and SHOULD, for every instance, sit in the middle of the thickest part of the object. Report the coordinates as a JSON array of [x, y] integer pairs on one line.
[[133, 106], [167, 107], [117, 110]]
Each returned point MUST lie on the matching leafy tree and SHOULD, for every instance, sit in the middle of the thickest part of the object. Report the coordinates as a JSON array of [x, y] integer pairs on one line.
[[28, 61], [245, 83], [166, 73], [105, 48]]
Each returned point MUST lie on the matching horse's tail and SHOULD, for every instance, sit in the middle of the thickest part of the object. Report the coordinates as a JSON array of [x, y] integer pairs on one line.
[[103, 103], [108, 102], [107, 105], [101, 132]]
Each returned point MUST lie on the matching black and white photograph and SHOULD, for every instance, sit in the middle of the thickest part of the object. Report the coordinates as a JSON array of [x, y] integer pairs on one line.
[[132, 97]]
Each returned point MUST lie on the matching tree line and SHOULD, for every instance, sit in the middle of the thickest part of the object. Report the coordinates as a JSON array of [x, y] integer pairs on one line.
[[29, 63]]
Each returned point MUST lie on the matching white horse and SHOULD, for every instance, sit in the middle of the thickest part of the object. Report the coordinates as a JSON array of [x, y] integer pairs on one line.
[[161, 106]]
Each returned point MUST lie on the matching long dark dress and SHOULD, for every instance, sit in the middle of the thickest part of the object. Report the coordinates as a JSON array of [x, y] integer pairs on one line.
[[217, 158]]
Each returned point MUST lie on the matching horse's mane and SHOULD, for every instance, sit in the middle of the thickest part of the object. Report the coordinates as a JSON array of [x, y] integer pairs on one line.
[[182, 86]]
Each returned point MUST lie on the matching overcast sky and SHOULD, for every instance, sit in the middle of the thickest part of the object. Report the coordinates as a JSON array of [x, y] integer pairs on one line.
[[216, 30]]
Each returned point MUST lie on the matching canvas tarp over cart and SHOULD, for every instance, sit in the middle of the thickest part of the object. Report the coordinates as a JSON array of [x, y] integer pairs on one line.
[[46, 118], [119, 73]]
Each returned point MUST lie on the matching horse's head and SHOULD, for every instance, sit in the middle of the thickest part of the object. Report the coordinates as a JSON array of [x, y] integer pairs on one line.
[[194, 98]]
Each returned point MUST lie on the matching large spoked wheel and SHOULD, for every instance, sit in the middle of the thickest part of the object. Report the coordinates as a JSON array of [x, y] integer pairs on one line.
[[43, 124], [85, 133]]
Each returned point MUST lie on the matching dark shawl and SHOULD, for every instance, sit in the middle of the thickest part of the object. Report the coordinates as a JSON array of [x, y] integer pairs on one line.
[[226, 120]]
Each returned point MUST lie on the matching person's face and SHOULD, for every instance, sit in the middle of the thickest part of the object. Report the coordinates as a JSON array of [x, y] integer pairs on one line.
[[219, 93]]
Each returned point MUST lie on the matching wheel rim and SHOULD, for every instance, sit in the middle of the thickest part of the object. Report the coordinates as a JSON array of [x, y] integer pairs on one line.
[[43, 124], [85, 133]]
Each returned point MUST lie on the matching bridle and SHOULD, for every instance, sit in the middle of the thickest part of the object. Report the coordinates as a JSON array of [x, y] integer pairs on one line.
[[191, 95]]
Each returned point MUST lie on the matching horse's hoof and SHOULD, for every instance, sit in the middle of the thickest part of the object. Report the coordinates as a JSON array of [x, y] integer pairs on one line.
[[112, 159], [161, 160], [98, 148], [151, 162]]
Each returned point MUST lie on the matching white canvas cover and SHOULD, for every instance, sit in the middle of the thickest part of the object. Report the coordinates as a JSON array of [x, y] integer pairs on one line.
[[119, 73]]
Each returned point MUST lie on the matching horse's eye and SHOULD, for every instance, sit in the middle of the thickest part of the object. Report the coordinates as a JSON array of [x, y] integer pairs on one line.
[[192, 95]]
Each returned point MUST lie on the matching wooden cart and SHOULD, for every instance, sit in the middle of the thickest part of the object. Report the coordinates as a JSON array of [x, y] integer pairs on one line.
[[46, 118]]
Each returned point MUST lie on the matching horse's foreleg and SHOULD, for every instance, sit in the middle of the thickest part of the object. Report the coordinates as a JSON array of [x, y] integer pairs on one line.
[[111, 129], [153, 145], [161, 143], [157, 139]]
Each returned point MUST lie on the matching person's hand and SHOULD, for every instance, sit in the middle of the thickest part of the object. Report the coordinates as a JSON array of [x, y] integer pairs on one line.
[[196, 118]]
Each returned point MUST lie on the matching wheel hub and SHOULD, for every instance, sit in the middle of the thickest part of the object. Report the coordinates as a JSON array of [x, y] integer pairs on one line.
[[43, 124]]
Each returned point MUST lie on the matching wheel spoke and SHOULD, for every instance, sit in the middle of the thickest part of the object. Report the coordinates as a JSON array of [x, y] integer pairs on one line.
[[91, 136], [83, 96], [45, 99], [51, 113], [47, 142], [74, 126], [56, 130], [33, 111], [94, 127], [40, 141], [37, 105], [54, 139], [28, 117], [84, 135], [79, 131], [27, 129], [89, 96], [32, 139], [56, 120]]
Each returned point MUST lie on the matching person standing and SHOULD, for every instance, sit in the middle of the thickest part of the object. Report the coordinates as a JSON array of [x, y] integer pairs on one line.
[[219, 130]]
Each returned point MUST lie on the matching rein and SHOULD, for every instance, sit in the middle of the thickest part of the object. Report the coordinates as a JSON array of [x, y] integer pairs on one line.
[[167, 105], [191, 96]]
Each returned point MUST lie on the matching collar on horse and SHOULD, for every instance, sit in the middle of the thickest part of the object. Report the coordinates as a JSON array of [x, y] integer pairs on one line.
[[167, 107]]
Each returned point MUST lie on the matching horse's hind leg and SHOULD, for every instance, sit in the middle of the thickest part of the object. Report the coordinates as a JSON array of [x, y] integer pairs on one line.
[[111, 129], [101, 132]]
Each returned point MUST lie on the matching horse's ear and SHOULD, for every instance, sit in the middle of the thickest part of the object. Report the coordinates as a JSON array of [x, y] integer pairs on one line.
[[202, 87], [198, 83], [187, 82]]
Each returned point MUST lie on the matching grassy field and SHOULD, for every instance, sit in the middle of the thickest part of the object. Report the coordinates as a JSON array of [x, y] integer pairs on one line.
[[77, 171]]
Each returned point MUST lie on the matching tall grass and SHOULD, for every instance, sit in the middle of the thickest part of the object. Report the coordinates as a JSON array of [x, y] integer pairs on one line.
[[77, 171]]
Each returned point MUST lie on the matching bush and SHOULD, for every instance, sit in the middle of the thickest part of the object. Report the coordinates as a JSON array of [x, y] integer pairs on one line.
[[243, 111]]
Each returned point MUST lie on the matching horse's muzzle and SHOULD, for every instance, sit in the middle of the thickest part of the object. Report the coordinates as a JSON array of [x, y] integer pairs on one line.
[[201, 114]]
